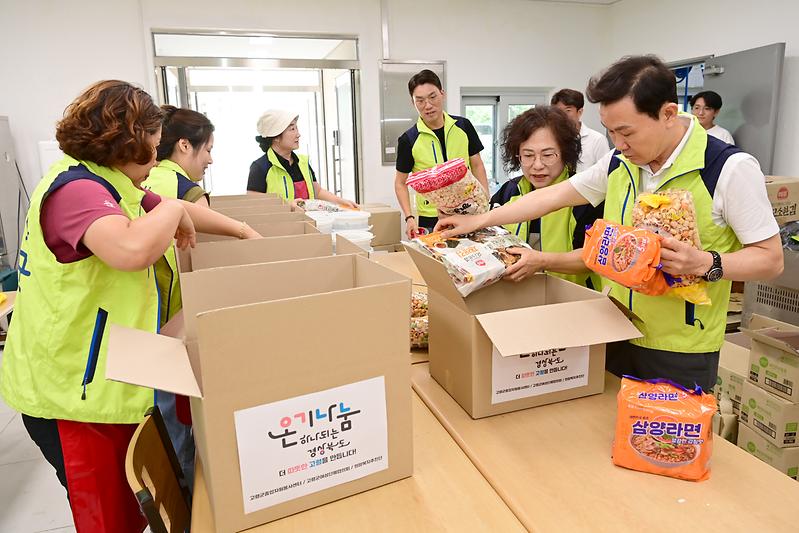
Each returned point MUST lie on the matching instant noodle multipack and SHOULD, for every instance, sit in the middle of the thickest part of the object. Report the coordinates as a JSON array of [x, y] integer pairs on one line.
[[511, 346], [663, 428], [630, 255]]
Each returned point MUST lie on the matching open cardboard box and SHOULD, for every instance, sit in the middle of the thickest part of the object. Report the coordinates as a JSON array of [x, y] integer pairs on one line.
[[386, 223], [267, 218], [258, 356], [253, 202], [242, 252], [234, 198], [511, 346], [240, 211], [774, 356], [273, 229], [400, 262]]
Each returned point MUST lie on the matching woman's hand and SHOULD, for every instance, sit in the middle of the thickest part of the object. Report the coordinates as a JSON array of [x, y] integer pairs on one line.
[[249, 233], [348, 204], [185, 235], [530, 262], [295, 205], [458, 225]]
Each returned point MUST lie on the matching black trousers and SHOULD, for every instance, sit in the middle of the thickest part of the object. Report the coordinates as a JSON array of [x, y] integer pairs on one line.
[[44, 433], [687, 369]]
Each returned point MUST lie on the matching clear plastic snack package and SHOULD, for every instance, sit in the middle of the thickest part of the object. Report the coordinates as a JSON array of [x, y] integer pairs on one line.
[[419, 337], [671, 213], [451, 187], [320, 205], [474, 261], [418, 304]]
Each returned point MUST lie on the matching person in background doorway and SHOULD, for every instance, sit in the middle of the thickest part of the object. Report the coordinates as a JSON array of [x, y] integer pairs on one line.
[[436, 137], [545, 144], [594, 144], [705, 106], [184, 153], [91, 238], [282, 171], [659, 148]]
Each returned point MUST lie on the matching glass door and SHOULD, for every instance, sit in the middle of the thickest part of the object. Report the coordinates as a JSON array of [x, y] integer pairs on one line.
[[482, 113]]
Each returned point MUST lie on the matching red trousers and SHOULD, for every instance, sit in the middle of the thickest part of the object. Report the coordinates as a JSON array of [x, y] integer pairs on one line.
[[99, 494]]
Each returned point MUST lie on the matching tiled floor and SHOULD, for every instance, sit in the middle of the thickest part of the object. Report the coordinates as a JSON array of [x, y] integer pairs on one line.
[[31, 498]]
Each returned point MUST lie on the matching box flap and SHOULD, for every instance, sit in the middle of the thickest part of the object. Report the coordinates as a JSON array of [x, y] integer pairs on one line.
[[345, 246], [778, 334], [176, 327], [142, 358], [562, 325], [436, 277], [225, 253]]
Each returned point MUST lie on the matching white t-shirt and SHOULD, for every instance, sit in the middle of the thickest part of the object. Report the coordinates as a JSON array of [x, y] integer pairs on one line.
[[720, 133], [594, 144], [739, 201]]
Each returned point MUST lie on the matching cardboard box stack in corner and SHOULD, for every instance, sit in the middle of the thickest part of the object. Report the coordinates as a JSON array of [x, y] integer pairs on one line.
[[511, 346], [770, 400], [294, 403]]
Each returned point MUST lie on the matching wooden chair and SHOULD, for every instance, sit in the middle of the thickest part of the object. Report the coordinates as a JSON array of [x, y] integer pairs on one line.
[[155, 476]]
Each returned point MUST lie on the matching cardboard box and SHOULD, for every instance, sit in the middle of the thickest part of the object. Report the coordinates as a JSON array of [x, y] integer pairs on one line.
[[269, 218], [733, 372], [240, 211], [386, 224], [226, 198], [388, 249], [254, 372], [511, 346], [785, 460], [783, 192], [252, 202], [773, 417], [774, 357], [275, 229], [400, 262], [237, 252]]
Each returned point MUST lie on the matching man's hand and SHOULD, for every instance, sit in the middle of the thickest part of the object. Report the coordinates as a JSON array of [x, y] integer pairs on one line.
[[530, 262], [679, 258], [411, 228]]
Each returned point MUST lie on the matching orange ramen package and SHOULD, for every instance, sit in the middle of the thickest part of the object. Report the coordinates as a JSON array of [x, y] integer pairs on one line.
[[629, 256], [663, 428]]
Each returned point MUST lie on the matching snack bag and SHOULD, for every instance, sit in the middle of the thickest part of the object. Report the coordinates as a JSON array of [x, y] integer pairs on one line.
[[451, 187], [473, 261], [671, 213], [664, 428], [626, 255], [418, 304], [419, 332], [320, 205]]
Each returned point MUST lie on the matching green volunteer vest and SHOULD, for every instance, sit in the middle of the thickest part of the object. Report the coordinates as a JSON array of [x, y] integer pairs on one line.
[[55, 357], [558, 235], [163, 181], [427, 153], [665, 318], [279, 181]]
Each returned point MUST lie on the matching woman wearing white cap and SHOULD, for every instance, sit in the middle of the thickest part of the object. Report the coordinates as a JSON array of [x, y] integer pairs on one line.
[[280, 170]]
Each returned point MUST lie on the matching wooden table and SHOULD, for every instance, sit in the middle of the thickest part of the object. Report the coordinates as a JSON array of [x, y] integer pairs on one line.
[[552, 466], [446, 493]]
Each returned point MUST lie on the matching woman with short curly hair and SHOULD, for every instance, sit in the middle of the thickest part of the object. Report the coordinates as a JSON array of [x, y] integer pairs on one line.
[[545, 145], [91, 238]]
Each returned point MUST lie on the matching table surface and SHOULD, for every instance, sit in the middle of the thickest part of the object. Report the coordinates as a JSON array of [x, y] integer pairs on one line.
[[8, 306], [552, 466], [446, 493]]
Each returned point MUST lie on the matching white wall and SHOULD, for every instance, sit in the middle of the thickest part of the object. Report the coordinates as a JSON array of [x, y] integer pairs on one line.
[[51, 50], [725, 26]]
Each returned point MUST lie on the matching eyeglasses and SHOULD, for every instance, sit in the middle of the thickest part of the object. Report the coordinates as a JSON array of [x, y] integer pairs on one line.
[[420, 101], [547, 158], [699, 109]]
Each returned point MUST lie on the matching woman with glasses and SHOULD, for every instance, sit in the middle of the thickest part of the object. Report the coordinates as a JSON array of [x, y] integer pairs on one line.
[[545, 145]]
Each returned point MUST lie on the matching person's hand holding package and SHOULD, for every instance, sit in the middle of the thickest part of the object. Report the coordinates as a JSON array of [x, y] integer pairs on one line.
[[530, 262]]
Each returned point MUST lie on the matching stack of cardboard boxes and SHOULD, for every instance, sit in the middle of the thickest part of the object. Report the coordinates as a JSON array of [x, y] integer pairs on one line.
[[769, 409], [294, 402]]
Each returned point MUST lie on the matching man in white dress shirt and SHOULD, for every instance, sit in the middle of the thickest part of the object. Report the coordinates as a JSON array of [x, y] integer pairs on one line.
[[706, 106], [594, 144]]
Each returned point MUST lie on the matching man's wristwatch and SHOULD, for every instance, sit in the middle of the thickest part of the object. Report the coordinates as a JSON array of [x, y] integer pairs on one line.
[[715, 272]]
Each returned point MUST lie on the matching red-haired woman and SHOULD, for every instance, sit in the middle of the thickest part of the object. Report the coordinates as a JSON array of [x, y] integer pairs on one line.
[[91, 238]]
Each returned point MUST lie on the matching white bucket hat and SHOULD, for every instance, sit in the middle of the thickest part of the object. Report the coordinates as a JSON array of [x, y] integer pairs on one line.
[[274, 122]]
